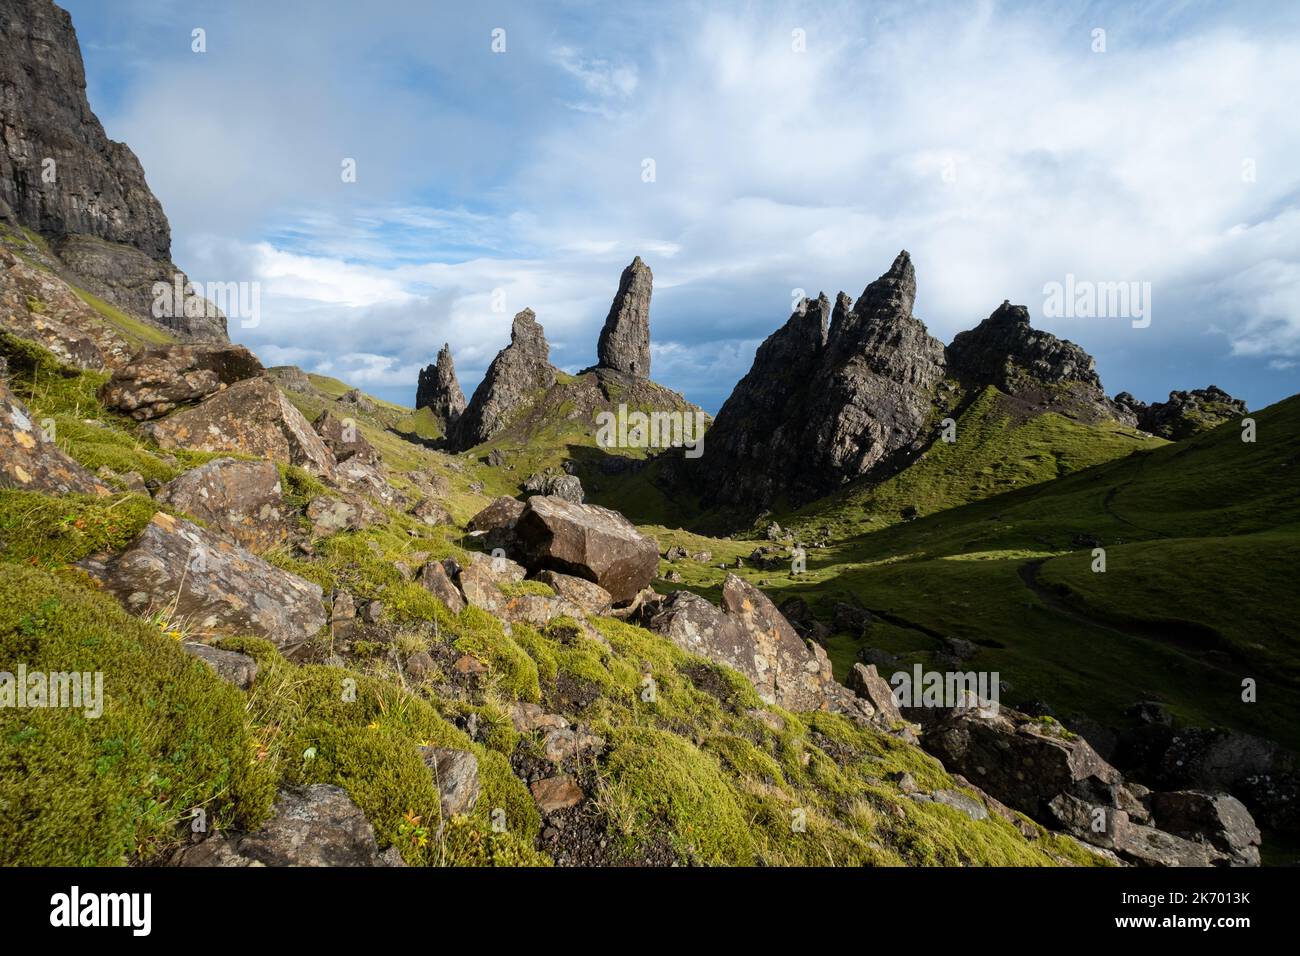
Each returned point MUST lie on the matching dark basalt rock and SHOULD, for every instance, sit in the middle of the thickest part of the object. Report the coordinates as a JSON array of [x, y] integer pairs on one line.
[[624, 344], [519, 370], [1185, 413], [825, 402], [439, 390]]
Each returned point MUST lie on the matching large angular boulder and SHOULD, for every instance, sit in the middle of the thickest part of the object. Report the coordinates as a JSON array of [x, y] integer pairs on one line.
[[343, 437], [30, 462], [242, 499], [158, 380], [318, 825], [253, 418], [495, 524], [586, 541], [751, 636], [212, 586], [1218, 817]]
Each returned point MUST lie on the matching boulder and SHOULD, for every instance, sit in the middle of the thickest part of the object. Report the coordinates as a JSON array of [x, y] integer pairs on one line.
[[241, 499], [556, 793], [1217, 817], [592, 598], [253, 418], [238, 669], [433, 577], [455, 774], [30, 462], [867, 684], [559, 485], [330, 514], [343, 437], [495, 524], [586, 541], [158, 380], [213, 586], [291, 377], [432, 512], [749, 635], [318, 825]]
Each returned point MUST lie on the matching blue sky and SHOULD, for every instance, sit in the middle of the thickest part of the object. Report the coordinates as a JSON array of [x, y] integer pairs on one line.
[[993, 141]]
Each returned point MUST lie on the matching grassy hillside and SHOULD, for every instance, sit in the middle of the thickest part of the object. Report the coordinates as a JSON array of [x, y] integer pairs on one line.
[[1198, 537]]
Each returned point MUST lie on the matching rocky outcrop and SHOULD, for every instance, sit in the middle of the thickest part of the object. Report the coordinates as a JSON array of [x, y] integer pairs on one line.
[[826, 402], [624, 344], [241, 499], [518, 371], [1058, 779], [62, 177], [253, 418], [30, 461], [558, 484], [747, 633], [36, 304], [1185, 414], [1051, 374], [343, 438], [318, 825], [439, 391], [291, 377], [209, 585], [586, 541], [158, 380]]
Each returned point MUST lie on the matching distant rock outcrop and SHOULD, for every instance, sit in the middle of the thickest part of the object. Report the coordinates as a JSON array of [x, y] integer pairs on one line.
[[1051, 374], [1185, 414], [439, 390], [62, 177], [519, 370], [822, 404], [624, 344]]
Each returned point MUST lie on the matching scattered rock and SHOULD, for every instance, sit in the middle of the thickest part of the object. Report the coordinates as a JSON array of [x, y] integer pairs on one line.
[[241, 499], [586, 541], [30, 462], [238, 669], [455, 774], [251, 417], [434, 578], [158, 380], [556, 793], [215, 587], [587, 595], [563, 486]]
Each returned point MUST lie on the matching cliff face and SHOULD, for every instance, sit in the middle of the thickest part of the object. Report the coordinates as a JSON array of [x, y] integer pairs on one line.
[[62, 177], [99, 187]]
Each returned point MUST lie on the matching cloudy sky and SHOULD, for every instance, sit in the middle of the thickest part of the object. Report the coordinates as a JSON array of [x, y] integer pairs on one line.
[[793, 147]]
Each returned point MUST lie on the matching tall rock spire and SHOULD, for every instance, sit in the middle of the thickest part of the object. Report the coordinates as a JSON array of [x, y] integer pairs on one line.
[[519, 370], [439, 390], [625, 340]]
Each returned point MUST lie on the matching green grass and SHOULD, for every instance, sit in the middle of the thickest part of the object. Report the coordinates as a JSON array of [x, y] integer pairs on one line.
[[94, 791]]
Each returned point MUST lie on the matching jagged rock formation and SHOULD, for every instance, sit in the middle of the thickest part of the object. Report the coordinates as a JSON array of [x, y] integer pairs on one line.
[[1185, 413], [624, 344], [62, 177], [438, 389], [823, 404], [515, 374], [1036, 367]]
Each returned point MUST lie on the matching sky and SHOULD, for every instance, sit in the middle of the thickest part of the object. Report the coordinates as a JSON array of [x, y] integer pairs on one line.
[[519, 155]]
